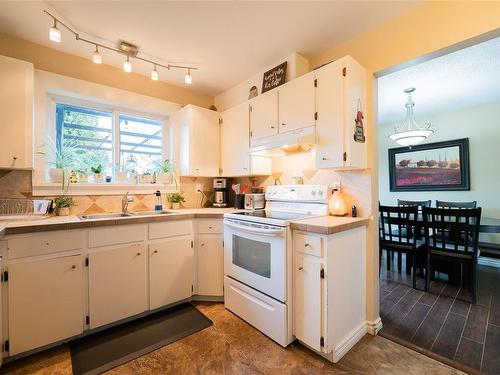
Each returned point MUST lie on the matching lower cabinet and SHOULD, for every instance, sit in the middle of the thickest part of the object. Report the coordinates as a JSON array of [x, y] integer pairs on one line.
[[117, 283], [210, 265], [308, 291], [45, 301], [171, 268]]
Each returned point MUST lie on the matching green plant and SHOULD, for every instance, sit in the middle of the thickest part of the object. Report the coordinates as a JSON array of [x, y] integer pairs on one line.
[[97, 169], [63, 201], [176, 198], [167, 166], [59, 157], [81, 171]]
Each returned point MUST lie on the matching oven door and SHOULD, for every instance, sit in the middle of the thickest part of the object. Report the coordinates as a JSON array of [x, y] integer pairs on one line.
[[255, 255]]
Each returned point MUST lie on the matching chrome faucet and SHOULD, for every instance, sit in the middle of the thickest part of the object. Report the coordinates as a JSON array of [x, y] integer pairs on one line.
[[125, 201]]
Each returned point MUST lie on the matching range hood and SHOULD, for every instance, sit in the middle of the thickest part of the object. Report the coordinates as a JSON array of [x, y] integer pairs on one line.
[[294, 141]]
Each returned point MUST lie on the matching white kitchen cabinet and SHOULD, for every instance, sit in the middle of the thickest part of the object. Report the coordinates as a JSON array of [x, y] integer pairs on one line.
[[199, 147], [16, 113], [264, 115], [297, 103], [235, 141], [45, 301], [171, 271], [117, 283], [309, 307], [210, 265], [330, 290], [340, 92]]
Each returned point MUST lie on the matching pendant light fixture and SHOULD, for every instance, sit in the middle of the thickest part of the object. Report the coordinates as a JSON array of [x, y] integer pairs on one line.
[[55, 33], [409, 133], [127, 66], [128, 49], [97, 57]]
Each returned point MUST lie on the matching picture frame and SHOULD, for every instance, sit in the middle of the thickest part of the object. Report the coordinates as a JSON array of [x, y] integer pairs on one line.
[[438, 166], [274, 77]]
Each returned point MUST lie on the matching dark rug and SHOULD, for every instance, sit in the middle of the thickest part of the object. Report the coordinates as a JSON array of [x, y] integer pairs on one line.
[[112, 347]]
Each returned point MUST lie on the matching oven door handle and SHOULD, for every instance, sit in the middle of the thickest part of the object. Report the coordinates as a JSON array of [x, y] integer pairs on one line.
[[265, 232]]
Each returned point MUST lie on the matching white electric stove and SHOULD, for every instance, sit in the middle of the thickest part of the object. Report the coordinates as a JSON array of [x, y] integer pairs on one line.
[[258, 257]]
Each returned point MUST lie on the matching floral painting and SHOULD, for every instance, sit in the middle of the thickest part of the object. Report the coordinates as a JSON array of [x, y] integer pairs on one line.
[[432, 166]]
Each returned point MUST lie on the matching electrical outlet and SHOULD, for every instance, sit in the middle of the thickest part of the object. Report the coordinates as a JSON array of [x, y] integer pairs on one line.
[[336, 185], [198, 188]]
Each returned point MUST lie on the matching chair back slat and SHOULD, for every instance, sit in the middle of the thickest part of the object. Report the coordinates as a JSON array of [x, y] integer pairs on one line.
[[397, 225], [452, 230], [446, 204]]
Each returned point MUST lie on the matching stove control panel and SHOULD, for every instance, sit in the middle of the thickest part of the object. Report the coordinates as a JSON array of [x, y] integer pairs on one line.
[[297, 193]]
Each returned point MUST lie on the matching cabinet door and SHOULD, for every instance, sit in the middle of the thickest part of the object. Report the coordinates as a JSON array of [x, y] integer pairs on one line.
[[235, 141], [45, 302], [329, 125], [204, 147], [117, 283], [296, 103], [171, 271], [264, 115], [308, 300], [210, 265], [16, 113]]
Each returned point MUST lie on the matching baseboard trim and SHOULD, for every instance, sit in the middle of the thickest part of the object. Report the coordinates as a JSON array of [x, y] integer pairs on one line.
[[198, 298], [490, 262], [373, 327], [351, 340]]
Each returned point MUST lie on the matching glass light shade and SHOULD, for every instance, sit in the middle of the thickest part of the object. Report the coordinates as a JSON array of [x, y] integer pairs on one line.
[[188, 79], [337, 204], [55, 34], [97, 58], [154, 75], [410, 137], [127, 66]]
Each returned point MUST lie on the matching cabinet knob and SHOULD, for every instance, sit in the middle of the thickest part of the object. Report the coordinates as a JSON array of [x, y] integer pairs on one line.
[[138, 254], [272, 127], [306, 245], [210, 227], [73, 267], [245, 168], [202, 244], [301, 268], [283, 124], [47, 243], [14, 158], [323, 158], [155, 252]]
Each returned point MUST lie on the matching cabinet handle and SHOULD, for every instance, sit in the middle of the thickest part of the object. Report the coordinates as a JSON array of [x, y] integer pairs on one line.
[[283, 124], [210, 227], [323, 158], [245, 169], [73, 267], [301, 268], [306, 245], [272, 127]]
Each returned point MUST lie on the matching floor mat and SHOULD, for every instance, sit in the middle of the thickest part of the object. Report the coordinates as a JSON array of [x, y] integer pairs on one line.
[[104, 350]]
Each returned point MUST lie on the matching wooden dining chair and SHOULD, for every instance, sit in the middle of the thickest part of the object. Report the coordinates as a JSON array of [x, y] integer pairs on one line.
[[451, 235], [445, 204], [397, 234]]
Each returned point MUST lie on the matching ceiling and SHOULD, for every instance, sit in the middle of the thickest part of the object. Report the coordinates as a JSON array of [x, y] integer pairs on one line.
[[227, 41], [465, 78]]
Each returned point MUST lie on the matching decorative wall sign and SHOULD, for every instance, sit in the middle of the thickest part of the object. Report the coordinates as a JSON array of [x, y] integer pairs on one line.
[[254, 91], [359, 132], [274, 77], [430, 167]]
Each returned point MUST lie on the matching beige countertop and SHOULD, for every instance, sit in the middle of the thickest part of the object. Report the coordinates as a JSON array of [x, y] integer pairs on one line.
[[74, 222], [328, 224]]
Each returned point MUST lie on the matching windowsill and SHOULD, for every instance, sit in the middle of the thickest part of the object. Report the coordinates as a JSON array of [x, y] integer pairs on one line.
[[111, 188]]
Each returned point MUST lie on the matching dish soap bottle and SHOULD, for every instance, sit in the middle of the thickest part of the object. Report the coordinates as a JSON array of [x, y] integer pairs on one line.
[[158, 205], [336, 204]]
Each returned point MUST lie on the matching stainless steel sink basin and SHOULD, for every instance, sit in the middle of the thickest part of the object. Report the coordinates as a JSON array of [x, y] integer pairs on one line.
[[151, 213], [103, 216]]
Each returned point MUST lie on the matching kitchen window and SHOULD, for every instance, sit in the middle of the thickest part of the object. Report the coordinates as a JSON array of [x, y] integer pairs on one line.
[[112, 138]]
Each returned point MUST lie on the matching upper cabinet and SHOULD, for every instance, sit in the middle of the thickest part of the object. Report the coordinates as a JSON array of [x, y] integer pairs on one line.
[[264, 115], [340, 94], [296, 108], [199, 141], [16, 113], [235, 160]]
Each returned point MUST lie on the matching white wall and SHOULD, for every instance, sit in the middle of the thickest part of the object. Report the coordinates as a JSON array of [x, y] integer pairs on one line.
[[481, 124]]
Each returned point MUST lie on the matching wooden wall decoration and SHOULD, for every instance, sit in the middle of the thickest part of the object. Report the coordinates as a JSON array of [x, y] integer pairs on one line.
[[274, 77]]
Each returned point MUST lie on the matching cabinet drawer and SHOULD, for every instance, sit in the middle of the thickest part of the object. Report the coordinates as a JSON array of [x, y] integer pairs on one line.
[[170, 229], [116, 235], [210, 226], [46, 243], [308, 244]]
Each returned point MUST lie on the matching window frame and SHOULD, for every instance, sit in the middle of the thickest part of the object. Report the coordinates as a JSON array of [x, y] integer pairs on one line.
[[49, 188]]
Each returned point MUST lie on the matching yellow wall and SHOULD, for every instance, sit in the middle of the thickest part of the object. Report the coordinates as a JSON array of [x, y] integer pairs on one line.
[[54, 61], [424, 29]]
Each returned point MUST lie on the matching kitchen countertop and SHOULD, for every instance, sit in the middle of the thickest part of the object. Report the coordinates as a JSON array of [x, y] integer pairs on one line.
[[74, 222], [328, 224]]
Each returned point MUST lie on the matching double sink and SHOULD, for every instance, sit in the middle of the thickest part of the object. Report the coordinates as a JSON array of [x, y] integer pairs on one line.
[[123, 214]]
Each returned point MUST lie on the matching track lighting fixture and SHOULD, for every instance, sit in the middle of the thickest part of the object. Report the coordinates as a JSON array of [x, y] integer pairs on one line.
[[125, 48]]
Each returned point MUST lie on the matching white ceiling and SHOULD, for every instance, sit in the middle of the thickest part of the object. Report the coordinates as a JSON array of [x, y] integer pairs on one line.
[[468, 77], [228, 41]]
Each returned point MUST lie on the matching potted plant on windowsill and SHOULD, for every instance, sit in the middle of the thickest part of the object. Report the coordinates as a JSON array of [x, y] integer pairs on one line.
[[62, 205], [146, 177], [60, 160], [165, 172], [97, 171], [121, 175], [176, 199], [83, 175]]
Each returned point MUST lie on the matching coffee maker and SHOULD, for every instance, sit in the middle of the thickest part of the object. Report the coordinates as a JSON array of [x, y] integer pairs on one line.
[[221, 192]]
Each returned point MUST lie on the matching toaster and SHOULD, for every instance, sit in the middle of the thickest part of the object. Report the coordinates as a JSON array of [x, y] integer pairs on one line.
[[255, 201]]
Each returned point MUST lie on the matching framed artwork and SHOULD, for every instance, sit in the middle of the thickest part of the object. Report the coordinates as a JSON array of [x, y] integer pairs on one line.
[[430, 167]]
